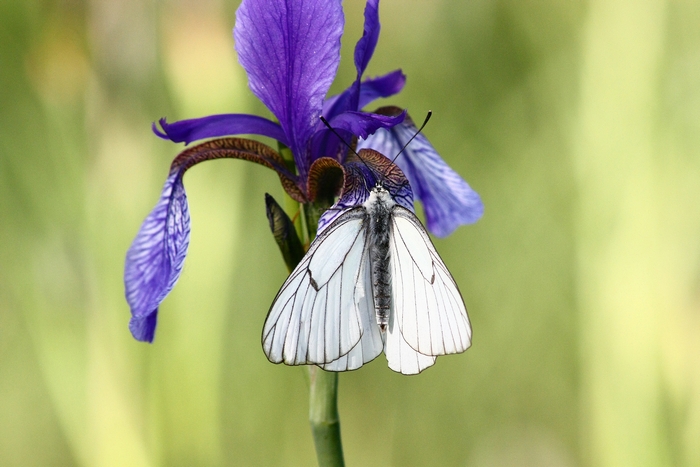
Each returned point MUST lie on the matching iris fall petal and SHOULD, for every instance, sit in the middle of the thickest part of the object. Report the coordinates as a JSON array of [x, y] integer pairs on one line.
[[154, 260]]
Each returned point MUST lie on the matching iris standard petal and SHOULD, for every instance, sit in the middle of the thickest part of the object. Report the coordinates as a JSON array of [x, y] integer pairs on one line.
[[448, 201], [290, 50], [364, 49], [213, 126], [156, 256]]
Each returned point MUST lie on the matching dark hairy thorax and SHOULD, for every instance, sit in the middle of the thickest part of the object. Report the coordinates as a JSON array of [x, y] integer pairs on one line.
[[379, 210]]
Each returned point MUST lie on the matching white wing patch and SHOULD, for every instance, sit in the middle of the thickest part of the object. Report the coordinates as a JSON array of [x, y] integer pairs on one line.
[[371, 343], [323, 313], [428, 314]]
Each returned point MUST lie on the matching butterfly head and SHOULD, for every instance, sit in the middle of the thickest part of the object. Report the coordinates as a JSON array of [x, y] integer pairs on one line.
[[378, 187]]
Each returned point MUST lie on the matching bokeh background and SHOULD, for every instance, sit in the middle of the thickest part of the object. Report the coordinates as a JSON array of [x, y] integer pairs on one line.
[[577, 122]]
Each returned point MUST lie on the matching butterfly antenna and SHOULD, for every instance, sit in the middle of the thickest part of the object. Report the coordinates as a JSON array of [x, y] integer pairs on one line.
[[427, 117], [325, 122]]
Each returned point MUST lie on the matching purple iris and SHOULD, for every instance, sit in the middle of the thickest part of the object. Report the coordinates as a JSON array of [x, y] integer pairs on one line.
[[290, 50]]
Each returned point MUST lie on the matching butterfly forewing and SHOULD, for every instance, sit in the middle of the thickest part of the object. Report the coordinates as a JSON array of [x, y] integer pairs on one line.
[[314, 318]]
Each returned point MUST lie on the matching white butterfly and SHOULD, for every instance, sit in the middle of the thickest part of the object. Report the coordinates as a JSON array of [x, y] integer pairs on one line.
[[371, 281]]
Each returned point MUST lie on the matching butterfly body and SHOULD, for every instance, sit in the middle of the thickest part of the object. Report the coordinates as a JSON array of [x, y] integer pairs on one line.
[[371, 281], [379, 207]]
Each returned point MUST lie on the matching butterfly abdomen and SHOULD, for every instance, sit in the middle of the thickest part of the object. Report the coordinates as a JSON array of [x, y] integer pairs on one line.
[[379, 207]]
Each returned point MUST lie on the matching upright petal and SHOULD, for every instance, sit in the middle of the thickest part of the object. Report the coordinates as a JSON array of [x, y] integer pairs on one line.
[[448, 200], [214, 126], [364, 49], [156, 256], [291, 51]]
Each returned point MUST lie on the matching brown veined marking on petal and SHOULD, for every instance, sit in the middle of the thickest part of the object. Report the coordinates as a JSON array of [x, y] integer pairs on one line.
[[240, 148], [326, 178], [389, 172]]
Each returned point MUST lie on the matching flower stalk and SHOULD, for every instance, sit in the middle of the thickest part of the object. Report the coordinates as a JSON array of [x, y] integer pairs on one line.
[[324, 418]]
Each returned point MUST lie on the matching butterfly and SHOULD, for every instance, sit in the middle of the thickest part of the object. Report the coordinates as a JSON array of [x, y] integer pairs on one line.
[[371, 281]]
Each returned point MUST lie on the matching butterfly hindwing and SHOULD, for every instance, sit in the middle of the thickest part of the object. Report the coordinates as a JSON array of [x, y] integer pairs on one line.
[[427, 304]]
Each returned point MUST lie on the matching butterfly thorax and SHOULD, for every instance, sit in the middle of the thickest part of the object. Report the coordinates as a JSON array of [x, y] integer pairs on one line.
[[379, 206]]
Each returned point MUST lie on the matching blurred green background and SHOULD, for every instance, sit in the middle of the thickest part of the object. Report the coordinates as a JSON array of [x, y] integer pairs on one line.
[[577, 122]]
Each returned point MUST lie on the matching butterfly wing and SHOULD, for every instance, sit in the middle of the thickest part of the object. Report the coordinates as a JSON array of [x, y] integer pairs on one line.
[[429, 317], [320, 315]]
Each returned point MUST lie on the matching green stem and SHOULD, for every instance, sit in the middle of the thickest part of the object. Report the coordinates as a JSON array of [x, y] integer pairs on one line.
[[323, 416]]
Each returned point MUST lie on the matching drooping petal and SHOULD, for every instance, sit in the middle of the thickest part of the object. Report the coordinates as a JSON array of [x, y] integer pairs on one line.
[[214, 126], [448, 201], [290, 50], [249, 150], [156, 256]]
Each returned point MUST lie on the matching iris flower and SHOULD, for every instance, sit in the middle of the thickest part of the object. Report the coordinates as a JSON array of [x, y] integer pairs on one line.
[[290, 50]]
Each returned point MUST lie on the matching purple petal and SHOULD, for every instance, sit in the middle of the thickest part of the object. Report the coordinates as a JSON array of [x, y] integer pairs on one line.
[[363, 124], [352, 98], [215, 126], [156, 256], [143, 329], [290, 50], [370, 90], [384, 86], [448, 201], [365, 46], [364, 49]]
